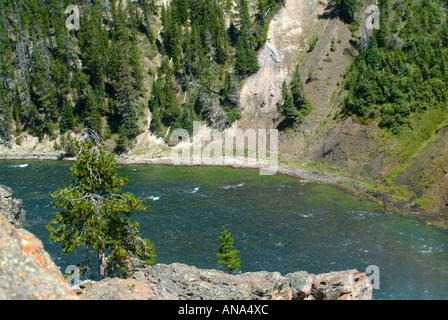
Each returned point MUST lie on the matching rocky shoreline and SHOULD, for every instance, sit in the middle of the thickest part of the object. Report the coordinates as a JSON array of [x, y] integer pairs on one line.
[[234, 162]]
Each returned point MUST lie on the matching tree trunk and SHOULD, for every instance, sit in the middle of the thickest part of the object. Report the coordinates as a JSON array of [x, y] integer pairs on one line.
[[102, 262]]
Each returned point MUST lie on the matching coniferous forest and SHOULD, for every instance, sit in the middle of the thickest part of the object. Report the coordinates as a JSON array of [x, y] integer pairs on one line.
[[401, 70], [54, 79]]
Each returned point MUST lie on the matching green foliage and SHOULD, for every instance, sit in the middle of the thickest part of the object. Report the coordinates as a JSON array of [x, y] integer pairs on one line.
[[93, 69], [347, 9], [94, 213], [44, 67], [395, 78], [226, 254], [246, 62], [266, 10], [333, 47], [5, 113], [67, 121], [313, 43], [296, 105]]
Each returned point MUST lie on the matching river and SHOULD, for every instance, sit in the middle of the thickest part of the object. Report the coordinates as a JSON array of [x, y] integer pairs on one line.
[[278, 223]]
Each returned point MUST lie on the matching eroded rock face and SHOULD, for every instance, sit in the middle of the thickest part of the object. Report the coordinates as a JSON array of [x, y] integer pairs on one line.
[[181, 282], [344, 285], [11, 208]]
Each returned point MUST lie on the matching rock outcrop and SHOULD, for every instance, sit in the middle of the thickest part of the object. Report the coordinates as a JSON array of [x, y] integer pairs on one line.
[[11, 209], [181, 282], [26, 269]]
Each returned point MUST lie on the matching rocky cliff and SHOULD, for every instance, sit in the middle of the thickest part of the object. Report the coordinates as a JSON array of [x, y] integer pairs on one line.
[[26, 269], [11, 209], [181, 282]]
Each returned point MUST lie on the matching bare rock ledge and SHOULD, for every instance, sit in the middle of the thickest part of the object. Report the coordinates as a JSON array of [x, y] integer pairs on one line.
[[182, 282]]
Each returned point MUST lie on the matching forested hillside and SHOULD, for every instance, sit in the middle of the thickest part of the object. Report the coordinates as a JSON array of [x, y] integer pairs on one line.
[[383, 121], [396, 92], [402, 68], [54, 80]]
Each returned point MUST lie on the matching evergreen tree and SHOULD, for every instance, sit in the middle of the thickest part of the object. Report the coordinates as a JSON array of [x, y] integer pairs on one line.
[[288, 109], [67, 121], [87, 106], [301, 102], [43, 84], [5, 114], [243, 16], [94, 43], [296, 105], [226, 254], [96, 214], [348, 8], [45, 68], [170, 108], [155, 125], [181, 10], [146, 8], [246, 61]]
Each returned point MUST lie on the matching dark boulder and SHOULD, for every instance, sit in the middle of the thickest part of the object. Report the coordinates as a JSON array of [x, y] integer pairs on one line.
[[11, 208]]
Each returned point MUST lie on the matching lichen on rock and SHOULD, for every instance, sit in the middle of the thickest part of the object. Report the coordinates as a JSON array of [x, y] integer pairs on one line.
[[26, 269]]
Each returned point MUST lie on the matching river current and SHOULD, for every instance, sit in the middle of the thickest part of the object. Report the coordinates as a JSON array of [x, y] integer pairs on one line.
[[278, 223]]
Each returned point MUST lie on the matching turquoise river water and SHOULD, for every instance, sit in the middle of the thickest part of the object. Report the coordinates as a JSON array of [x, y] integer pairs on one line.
[[278, 223]]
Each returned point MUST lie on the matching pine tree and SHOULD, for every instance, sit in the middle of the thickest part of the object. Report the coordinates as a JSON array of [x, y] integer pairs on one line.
[[186, 119], [94, 43], [244, 22], [348, 8], [246, 61], [198, 55], [135, 63], [93, 119], [43, 85], [87, 104], [301, 102], [67, 121], [147, 18], [5, 113], [288, 109], [96, 214], [181, 10], [296, 105], [226, 254], [170, 108], [155, 125]]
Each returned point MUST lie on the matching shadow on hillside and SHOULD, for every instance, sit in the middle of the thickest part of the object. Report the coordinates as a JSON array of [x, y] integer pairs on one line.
[[331, 11], [285, 124]]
